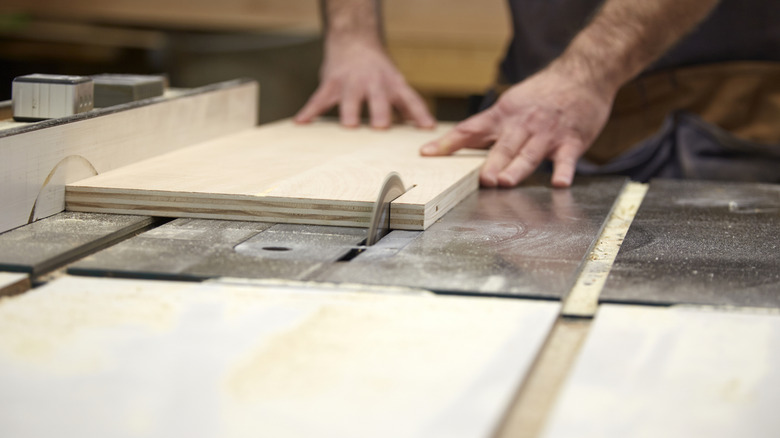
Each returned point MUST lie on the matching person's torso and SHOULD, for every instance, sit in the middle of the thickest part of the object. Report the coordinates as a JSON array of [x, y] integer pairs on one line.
[[736, 30]]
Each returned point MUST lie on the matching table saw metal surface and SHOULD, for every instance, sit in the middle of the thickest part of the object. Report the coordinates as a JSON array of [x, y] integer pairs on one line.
[[45, 245], [527, 242], [696, 242]]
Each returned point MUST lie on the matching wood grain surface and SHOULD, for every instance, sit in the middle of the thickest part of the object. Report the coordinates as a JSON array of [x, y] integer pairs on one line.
[[315, 174]]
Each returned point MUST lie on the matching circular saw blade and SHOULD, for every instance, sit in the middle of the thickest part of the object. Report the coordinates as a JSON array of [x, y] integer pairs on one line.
[[392, 188]]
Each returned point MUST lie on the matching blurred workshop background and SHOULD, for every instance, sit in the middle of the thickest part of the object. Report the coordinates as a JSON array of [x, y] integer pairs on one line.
[[447, 49]]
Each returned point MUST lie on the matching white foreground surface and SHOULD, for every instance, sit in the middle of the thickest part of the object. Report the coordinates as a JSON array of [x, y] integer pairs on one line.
[[674, 372], [83, 357]]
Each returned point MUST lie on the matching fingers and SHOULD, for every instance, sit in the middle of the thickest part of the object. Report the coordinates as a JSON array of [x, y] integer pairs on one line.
[[413, 108], [565, 163], [501, 155], [474, 132], [527, 159], [379, 109], [323, 99], [514, 161], [349, 108], [350, 101]]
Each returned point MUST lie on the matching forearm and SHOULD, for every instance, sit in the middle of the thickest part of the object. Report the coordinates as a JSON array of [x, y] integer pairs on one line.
[[626, 36], [351, 21]]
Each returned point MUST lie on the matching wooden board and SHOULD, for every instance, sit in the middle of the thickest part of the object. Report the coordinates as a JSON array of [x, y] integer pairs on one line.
[[317, 174], [162, 359], [40, 158], [12, 283], [674, 372], [6, 110]]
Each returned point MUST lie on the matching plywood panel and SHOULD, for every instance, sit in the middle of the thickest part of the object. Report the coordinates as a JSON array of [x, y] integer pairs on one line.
[[39, 159], [316, 174], [107, 357], [674, 372]]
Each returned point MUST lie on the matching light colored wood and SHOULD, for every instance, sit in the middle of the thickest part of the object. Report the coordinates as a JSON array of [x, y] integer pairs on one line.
[[244, 360], [539, 392], [315, 174], [38, 162], [583, 300], [6, 110], [673, 372], [6, 114], [7, 122], [12, 283]]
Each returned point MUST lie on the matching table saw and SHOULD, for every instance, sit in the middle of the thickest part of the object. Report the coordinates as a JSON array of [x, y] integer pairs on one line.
[[608, 309]]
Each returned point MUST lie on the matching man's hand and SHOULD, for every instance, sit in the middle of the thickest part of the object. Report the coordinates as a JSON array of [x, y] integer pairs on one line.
[[355, 72], [549, 115], [558, 112]]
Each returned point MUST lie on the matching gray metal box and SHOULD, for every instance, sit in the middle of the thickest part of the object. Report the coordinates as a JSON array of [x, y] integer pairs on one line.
[[42, 96], [117, 89]]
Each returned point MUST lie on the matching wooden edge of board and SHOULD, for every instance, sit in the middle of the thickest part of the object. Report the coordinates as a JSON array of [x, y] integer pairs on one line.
[[13, 283], [583, 298], [97, 112], [6, 109], [283, 210], [414, 218]]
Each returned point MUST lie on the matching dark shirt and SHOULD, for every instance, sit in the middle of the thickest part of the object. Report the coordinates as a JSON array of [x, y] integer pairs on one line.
[[736, 30]]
